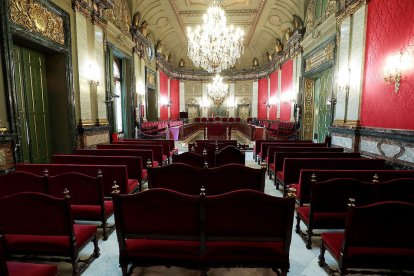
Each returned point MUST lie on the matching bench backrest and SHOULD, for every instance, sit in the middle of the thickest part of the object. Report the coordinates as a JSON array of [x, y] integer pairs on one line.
[[84, 189], [133, 164], [156, 149], [178, 177], [189, 158], [293, 166], [233, 177], [273, 149], [264, 218], [171, 142], [266, 145], [110, 173], [228, 155], [165, 145], [17, 182], [281, 156], [307, 176], [258, 143], [399, 189], [35, 214], [168, 215], [381, 226], [145, 154]]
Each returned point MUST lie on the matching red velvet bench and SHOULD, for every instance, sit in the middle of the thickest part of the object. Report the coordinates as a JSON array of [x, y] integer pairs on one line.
[[264, 147], [271, 151], [229, 155], [258, 144], [133, 164], [166, 150], [39, 226], [375, 238], [171, 142], [156, 149], [308, 176], [110, 173], [190, 158], [293, 166], [17, 182]]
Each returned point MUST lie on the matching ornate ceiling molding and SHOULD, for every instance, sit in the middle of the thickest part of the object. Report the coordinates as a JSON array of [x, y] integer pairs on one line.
[[228, 13], [347, 8]]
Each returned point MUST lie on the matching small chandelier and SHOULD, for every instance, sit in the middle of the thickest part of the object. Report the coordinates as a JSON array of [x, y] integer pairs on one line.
[[214, 46], [217, 90]]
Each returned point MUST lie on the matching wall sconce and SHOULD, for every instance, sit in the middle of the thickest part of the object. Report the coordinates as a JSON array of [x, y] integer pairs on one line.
[[392, 71], [344, 81], [94, 74], [165, 102], [271, 101], [205, 103]]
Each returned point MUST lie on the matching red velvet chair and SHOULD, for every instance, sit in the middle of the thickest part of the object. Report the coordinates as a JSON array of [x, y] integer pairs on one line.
[[229, 155], [328, 203], [9, 268], [167, 233], [247, 228], [238, 119], [179, 177], [40, 225], [18, 182], [86, 197], [204, 120], [224, 119], [210, 120], [190, 158], [231, 120], [217, 119], [197, 120], [375, 237]]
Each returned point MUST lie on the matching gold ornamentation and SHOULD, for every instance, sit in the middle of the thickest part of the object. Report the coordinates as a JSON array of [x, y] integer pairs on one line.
[[120, 16], [37, 18], [349, 11], [324, 55], [308, 110]]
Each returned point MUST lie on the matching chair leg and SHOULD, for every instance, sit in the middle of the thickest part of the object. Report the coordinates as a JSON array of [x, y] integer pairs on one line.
[[297, 228], [321, 257], [104, 230], [309, 234], [284, 272], [96, 250], [124, 269], [75, 267]]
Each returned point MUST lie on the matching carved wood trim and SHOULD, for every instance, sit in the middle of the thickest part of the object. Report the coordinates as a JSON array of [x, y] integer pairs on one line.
[[308, 107]]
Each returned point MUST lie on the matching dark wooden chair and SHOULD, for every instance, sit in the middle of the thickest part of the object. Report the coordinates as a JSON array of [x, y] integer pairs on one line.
[[86, 197], [375, 237], [17, 182], [39, 225], [9, 268], [167, 233], [229, 155], [257, 234]]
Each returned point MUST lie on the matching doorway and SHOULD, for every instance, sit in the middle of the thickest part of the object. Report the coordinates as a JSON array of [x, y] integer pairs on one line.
[[243, 111], [152, 105], [32, 105], [323, 111], [193, 111]]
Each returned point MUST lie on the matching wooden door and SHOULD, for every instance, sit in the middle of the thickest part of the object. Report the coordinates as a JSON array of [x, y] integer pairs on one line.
[[323, 90], [32, 105]]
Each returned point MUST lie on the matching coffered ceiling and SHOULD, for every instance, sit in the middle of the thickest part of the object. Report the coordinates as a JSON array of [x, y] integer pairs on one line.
[[262, 21]]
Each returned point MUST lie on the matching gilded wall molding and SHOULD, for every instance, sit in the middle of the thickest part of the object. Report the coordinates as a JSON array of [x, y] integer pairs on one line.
[[37, 18], [93, 9], [311, 22], [349, 10], [308, 107], [322, 55], [120, 16]]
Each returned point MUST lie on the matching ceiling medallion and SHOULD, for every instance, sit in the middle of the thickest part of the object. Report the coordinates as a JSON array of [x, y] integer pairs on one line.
[[217, 90], [214, 46]]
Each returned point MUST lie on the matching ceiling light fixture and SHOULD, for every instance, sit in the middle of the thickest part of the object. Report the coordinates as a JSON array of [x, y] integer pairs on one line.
[[214, 46], [217, 90]]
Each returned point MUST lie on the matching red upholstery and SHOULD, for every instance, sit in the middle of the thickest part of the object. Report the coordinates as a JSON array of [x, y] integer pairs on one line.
[[229, 155], [156, 149], [90, 212], [266, 144], [132, 185], [110, 173], [375, 237], [189, 158], [16, 182], [20, 269], [170, 142], [258, 143], [134, 164]]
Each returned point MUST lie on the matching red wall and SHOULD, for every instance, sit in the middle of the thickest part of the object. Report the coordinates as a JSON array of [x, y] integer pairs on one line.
[[163, 94], [262, 97], [273, 93], [388, 32], [287, 77], [175, 98]]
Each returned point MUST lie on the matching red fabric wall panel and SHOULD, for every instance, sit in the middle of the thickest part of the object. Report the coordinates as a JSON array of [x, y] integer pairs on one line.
[[287, 77], [262, 97], [273, 93], [163, 94], [388, 32], [175, 98]]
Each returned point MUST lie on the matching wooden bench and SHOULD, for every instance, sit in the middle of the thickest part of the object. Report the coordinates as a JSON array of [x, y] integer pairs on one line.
[[166, 150], [18, 182], [133, 164], [39, 225], [375, 238], [171, 142], [293, 166], [271, 151], [229, 155], [9, 268], [156, 149], [190, 158], [264, 147], [200, 232], [189, 180], [309, 176], [258, 144], [110, 174]]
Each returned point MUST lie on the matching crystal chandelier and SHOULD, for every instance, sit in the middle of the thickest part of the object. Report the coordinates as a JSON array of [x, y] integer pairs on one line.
[[217, 90], [214, 46]]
